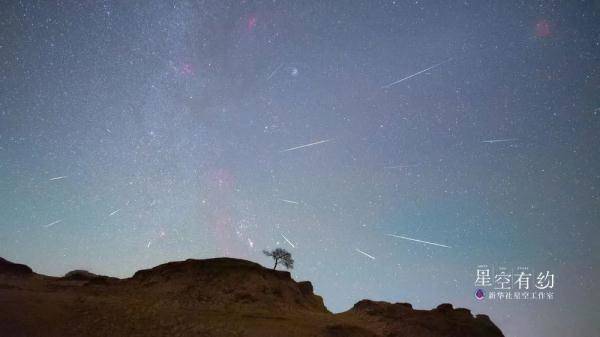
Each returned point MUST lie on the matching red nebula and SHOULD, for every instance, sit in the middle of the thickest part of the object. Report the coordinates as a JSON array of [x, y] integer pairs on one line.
[[542, 29], [251, 23], [187, 69]]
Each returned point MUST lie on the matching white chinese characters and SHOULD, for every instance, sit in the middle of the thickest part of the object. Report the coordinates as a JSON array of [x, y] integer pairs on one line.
[[513, 284]]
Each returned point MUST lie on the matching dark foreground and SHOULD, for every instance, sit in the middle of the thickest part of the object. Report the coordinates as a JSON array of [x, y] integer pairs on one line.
[[211, 298]]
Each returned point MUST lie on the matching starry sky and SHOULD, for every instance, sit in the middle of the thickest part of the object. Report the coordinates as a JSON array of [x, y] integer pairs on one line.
[[138, 132]]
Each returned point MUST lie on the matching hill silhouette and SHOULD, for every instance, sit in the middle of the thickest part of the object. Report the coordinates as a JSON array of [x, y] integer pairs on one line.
[[218, 297]]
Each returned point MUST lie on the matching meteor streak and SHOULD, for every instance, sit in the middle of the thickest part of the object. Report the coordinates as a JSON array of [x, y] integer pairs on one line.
[[307, 145], [290, 201], [288, 241], [53, 223], [421, 241], [491, 141], [274, 72], [58, 178], [415, 74], [114, 212], [365, 254]]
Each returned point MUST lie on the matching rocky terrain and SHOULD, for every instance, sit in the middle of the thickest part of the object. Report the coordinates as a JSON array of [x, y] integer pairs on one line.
[[219, 297]]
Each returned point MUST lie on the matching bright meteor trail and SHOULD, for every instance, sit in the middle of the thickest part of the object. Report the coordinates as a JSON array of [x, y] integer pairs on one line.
[[288, 241], [53, 223], [415, 74], [421, 241], [365, 254], [307, 145]]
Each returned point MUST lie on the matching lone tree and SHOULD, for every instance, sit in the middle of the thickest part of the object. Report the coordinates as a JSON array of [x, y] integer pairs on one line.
[[281, 255]]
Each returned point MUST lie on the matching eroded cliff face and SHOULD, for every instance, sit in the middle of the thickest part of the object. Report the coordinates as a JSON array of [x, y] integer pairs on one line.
[[214, 297], [228, 283]]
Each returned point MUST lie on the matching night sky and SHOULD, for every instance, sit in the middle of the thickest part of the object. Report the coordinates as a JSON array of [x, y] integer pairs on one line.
[[138, 132]]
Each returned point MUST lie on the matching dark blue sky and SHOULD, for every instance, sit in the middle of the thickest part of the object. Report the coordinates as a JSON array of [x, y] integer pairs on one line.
[[135, 133]]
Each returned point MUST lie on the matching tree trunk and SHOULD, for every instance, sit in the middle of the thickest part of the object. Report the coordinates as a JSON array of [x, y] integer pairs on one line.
[[275, 266]]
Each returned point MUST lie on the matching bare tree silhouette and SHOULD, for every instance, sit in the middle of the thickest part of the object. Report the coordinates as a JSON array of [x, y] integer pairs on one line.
[[281, 255]]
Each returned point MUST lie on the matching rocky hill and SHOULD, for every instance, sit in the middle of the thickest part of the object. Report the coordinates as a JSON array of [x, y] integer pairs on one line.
[[212, 298], [14, 269]]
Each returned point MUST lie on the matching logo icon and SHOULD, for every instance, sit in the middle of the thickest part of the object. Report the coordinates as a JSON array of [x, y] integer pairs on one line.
[[479, 294]]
